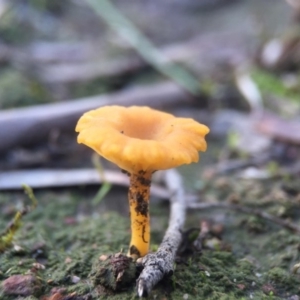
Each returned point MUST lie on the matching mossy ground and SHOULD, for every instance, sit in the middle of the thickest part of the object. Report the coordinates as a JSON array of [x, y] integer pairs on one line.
[[67, 234]]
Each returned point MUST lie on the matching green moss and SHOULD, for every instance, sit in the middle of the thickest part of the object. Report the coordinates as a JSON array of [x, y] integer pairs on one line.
[[70, 246], [215, 274], [81, 288], [283, 280]]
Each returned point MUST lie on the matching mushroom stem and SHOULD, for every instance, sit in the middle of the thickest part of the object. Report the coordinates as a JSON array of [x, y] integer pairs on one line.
[[138, 195]]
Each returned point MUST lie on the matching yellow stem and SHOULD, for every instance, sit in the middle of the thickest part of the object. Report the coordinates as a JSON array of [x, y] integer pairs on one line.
[[138, 195]]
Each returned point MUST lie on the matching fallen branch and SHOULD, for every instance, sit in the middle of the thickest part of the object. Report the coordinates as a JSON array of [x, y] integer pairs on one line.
[[277, 128], [202, 48], [83, 71], [232, 165], [161, 263], [284, 223], [61, 178], [25, 126]]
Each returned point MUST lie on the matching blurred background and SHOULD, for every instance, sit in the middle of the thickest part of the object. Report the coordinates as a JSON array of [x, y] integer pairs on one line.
[[238, 56], [230, 64], [221, 62]]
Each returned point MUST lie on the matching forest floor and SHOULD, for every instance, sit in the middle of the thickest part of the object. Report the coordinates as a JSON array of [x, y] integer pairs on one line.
[[243, 256]]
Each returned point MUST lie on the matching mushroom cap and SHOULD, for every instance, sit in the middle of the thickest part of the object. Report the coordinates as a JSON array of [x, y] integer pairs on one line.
[[140, 138]]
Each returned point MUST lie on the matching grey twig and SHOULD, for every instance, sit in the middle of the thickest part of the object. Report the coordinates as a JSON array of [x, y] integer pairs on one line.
[[248, 210], [159, 264], [29, 125]]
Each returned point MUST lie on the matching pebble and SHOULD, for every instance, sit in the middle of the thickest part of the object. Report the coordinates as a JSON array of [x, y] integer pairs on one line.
[[38, 266], [75, 279], [68, 260], [103, 257], [20, 285]]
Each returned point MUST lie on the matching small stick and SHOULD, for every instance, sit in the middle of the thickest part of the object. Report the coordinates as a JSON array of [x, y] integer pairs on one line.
[[284, 223], [159, 264], [45, 178], [205, 229]]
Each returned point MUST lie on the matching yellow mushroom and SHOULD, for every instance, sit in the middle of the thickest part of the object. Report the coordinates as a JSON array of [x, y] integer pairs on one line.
[[141, 140]]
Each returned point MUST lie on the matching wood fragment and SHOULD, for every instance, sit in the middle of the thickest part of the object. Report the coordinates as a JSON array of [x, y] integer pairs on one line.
[[79, 72], [61, 178], [231, 165], [252, 211], [278, 128], [199, 48], [161, 263], [203, 234]]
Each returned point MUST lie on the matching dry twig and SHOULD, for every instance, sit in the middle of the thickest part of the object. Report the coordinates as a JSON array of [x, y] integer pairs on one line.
[[199, 48], [57, 178], [160, 264], [284, 223], [24, 126]]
